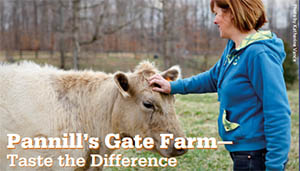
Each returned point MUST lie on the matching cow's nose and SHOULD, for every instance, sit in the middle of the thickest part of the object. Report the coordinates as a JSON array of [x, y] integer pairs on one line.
[[178, 152], [181, 151]]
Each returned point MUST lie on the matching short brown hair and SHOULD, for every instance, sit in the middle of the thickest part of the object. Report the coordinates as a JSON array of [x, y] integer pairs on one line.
[[247, 14]]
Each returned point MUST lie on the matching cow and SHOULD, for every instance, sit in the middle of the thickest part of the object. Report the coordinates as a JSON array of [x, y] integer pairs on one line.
[[43, 101]]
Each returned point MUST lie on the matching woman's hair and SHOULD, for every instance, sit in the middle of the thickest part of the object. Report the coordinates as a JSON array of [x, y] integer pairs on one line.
[[247, 14]]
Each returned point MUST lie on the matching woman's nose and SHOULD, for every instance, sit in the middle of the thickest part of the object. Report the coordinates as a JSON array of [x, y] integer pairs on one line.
[[215, 20]]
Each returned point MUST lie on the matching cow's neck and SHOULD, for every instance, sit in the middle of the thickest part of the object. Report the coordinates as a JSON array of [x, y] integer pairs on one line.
[[88, 102]]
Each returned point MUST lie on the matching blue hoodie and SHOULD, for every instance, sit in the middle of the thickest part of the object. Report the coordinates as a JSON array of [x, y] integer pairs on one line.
[[254, 108]]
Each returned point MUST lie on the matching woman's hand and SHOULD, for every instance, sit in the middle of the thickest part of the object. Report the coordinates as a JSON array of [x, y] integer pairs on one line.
[[163, 85]]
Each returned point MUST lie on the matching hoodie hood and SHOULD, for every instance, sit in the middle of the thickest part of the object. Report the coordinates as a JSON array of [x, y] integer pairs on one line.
[[258, 36], [272, 43]]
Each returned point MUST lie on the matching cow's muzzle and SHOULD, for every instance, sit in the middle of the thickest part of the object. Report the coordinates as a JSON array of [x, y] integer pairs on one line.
[[176, 152]]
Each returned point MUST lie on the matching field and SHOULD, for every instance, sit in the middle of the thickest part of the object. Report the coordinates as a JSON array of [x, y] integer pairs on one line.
[[112, 62], [198, 117]]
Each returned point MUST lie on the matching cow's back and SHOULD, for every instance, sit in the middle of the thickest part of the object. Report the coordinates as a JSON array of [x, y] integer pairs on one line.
[[26, 96], [28, 105], [40, 101]]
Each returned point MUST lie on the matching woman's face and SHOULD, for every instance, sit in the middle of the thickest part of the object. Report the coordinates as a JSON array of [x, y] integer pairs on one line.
[[223, 20]]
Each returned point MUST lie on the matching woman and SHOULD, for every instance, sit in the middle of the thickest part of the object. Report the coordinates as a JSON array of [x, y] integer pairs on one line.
[[254, 109]]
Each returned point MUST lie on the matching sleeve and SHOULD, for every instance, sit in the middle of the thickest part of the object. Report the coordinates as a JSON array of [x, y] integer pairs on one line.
[[266, 76], [202, 83]]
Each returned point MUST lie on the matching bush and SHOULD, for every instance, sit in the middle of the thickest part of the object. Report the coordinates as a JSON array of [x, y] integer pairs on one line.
[[290, 67]]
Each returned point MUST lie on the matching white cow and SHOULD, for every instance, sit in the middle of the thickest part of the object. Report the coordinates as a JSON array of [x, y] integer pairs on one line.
[[46, 102]]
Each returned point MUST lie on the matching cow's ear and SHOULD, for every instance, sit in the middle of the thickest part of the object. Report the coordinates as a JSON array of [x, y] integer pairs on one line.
[[172, 73], [122, 83]]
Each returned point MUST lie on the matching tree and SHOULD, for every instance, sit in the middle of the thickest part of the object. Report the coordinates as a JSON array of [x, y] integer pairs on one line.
[[101, 23], [290, 67]]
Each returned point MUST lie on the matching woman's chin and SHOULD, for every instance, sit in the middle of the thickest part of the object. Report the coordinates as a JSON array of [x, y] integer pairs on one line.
[[223, 36], [220, 33]]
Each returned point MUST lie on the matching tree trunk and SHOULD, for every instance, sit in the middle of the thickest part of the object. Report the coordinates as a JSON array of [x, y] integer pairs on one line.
[[36, 54], [35, 21], [16, 26], [75, 34], [20, 53], [9, 55], [166, 56], [61, 37], [62, 55]]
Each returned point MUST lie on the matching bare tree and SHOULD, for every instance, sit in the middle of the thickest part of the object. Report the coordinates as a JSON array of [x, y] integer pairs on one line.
[[176, 29], [168, 32], [35, 23], [61, 37], [271, 13], [75, 31], [2, 23], [99, 25]]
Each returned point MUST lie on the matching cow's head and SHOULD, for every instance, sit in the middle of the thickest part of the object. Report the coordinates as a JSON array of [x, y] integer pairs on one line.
[[142, 111]]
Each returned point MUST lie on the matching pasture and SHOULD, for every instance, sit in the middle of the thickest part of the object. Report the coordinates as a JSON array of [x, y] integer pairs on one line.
[[114, 61], [197, 113]]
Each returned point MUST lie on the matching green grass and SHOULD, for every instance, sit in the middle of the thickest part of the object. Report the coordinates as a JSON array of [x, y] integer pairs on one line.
[[198, 116]]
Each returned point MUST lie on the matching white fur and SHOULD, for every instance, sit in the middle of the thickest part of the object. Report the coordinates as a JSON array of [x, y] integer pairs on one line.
[[29, 107]]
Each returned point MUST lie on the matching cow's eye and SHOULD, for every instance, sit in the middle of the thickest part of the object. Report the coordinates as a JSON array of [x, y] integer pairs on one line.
[[148, 105]]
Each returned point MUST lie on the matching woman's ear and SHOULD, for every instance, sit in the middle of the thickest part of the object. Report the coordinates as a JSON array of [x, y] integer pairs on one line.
[[231, 15]]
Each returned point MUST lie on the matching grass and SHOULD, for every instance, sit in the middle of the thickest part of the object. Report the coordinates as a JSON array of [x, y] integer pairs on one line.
[[198, 116]]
